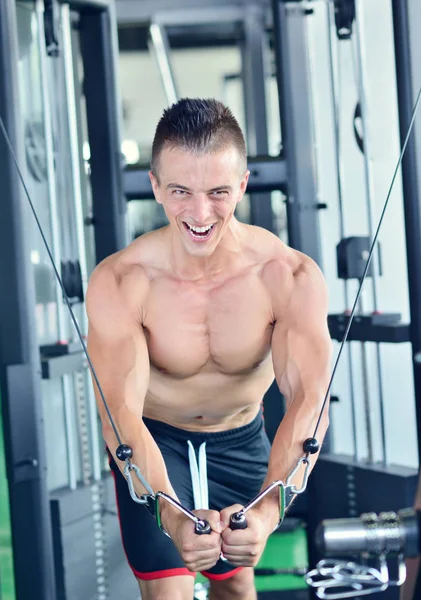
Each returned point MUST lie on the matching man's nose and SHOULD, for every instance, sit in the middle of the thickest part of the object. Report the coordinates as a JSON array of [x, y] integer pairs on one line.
[[201, 209]]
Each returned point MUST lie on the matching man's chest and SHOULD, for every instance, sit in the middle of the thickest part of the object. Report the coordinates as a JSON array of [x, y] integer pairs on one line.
[[227, 327]]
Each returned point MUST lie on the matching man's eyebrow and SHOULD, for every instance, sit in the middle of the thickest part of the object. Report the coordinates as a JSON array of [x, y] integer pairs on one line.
[[220, 188], [178, 186]]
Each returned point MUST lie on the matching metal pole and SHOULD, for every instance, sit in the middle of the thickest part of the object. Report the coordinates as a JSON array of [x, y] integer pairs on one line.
[[411, 188], [49, 159], [103, 112], [254, 54], [366, 392], [62, 330], [368, 161], [336, 99], [159, 45], [406, 64], [296, 111], [74, 147]]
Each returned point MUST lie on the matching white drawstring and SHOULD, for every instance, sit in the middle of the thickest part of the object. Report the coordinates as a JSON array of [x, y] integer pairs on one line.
[[203, 474], [199, 479], [199, 476]]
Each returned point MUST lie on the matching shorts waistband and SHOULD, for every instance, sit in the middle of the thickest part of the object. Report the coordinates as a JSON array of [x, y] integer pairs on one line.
[[160, 428]]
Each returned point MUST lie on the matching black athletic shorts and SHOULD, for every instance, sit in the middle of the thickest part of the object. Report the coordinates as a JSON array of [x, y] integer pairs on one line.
[[236, 461]]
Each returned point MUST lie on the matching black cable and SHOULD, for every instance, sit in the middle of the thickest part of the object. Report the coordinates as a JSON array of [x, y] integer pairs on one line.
[[8, 142], [373, 244]]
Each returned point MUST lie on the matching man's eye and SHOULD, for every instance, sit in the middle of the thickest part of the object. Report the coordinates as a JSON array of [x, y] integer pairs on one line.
[[219, 193], [179, 192]]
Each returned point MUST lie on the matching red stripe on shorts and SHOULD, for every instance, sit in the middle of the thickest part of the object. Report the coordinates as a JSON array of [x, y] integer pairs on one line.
[[221, 576]]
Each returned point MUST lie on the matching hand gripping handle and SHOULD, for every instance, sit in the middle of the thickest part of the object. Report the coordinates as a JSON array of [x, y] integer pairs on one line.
[[202, 527], [238, 520]]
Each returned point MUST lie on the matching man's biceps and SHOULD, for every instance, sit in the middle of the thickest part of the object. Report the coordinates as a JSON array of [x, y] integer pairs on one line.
[[310, 354], [314, 334]]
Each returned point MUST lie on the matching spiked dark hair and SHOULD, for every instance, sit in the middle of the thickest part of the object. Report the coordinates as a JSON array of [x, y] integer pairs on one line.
[[199, 126]]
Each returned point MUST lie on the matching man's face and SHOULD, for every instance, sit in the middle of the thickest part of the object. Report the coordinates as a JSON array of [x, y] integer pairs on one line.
[[199, 194]]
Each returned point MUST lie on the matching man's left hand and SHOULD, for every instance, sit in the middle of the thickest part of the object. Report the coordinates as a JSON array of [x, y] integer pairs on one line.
[[244, 547]]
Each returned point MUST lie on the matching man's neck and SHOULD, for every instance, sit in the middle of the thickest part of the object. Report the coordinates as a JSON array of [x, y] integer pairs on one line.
[[223, 259]]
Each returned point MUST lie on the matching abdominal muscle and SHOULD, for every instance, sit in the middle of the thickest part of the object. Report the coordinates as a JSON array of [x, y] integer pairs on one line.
[[208, 401]]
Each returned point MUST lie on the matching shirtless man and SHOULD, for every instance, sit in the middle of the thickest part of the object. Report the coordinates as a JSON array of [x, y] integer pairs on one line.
[[188, 326]]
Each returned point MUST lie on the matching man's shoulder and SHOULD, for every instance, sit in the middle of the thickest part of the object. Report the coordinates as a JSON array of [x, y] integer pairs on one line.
[[271, 252], [284, 268], [115, 271], [130, 264], [119, 280]]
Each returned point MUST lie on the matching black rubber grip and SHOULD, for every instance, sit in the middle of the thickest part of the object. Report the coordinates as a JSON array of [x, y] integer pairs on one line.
[[238, 521], [202, 528]]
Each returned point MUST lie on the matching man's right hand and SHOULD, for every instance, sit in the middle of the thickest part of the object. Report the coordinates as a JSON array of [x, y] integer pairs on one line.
[[199, 552]]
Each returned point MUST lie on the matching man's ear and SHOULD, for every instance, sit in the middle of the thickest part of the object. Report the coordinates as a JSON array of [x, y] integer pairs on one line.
[[155, 186], [243, 184]]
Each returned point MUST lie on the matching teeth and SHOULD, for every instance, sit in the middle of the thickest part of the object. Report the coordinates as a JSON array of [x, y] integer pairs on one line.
[[200, 229]]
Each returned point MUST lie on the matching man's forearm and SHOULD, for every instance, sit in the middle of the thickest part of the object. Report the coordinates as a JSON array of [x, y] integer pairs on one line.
[[287, 448], [146, 454]]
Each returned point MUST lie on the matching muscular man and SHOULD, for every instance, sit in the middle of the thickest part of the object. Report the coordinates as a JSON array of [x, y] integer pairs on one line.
[[188, 326]]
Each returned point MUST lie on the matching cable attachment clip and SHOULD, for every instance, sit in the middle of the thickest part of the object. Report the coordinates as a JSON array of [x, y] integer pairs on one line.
[[304, 460], [151, 500], [143, 499], [125, 453]]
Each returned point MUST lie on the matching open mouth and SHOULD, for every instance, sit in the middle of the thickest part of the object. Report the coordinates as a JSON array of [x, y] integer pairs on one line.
[[199, 233]]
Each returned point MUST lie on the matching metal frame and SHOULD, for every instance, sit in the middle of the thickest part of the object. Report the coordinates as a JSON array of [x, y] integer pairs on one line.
[[266, 174], [411, 182], [254, 54], [19, 357], [406, 60], [98, 53], [291, 51], [20, 375], [187, 11], [159, 45], [69, 56]]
